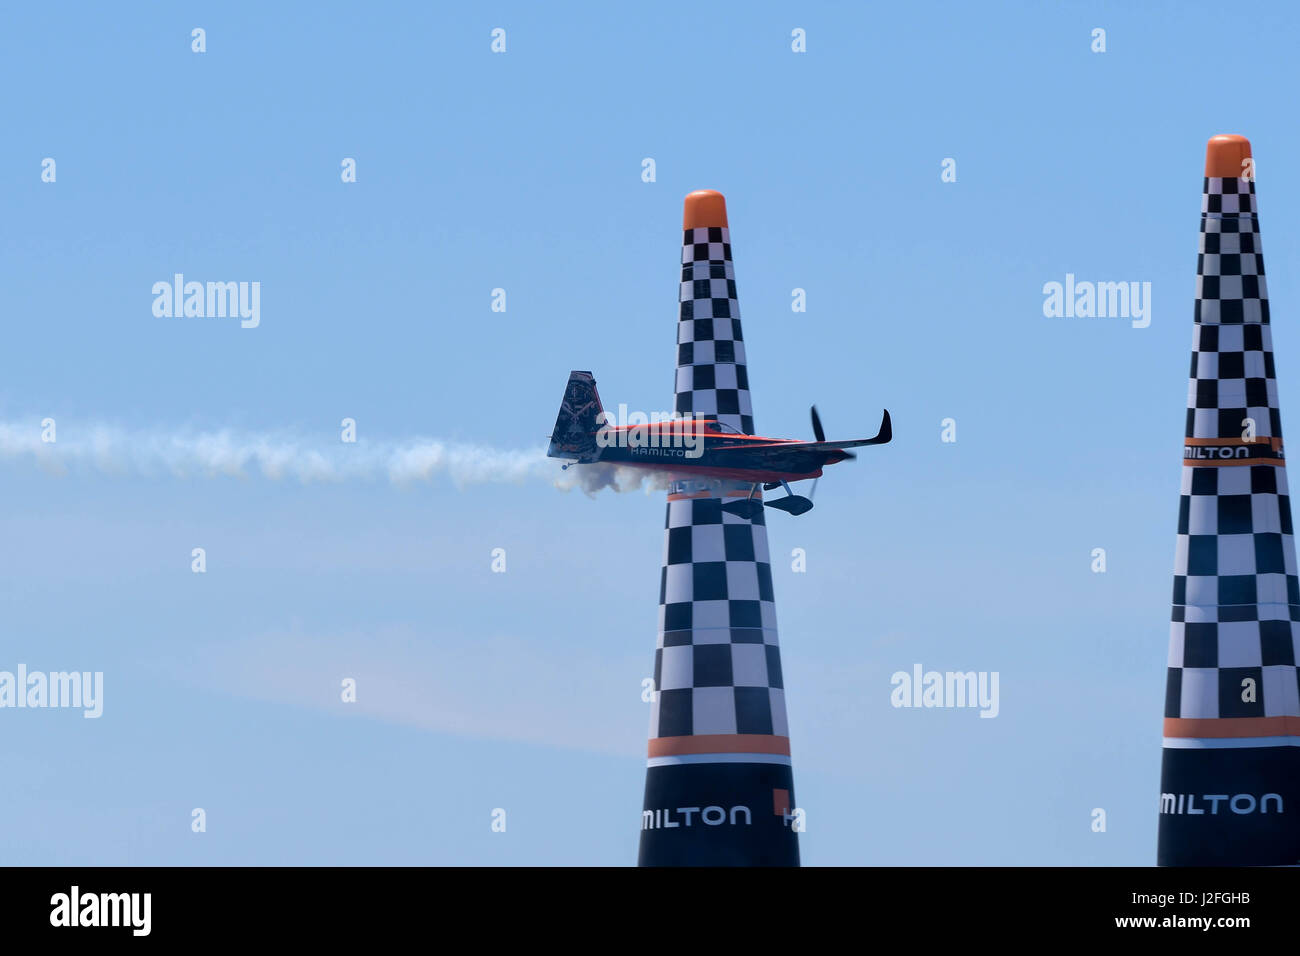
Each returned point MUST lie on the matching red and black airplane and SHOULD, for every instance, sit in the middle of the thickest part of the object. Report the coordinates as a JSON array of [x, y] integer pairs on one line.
[[698, 447]]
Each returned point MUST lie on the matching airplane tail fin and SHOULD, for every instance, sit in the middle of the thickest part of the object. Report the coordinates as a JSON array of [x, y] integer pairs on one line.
[[576, 426]]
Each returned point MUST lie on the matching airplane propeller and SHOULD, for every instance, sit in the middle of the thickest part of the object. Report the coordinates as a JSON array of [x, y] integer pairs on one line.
[[820, 434]]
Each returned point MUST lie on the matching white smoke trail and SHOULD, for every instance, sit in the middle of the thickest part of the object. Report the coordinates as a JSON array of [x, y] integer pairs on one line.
[[190, 453]]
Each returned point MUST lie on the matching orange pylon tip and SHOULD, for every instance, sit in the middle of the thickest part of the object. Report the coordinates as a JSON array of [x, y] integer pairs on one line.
[[1225, 154], [704, 208]]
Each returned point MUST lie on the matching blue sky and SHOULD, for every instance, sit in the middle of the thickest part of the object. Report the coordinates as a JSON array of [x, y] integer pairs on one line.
[[522, 171]]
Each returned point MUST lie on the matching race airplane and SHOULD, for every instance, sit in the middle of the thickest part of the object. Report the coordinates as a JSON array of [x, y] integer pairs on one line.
[[699, 447]]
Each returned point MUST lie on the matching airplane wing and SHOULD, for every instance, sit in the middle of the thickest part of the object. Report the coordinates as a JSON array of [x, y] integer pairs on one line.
[[798, 456], [883, 437], [793, 457]]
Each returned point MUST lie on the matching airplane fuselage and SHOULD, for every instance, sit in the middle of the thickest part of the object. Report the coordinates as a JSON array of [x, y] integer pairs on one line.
[[711, 453]]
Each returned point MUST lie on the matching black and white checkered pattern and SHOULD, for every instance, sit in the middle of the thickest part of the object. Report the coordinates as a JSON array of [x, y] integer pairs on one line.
[[711, 375], [717, 664], [1236, 598]]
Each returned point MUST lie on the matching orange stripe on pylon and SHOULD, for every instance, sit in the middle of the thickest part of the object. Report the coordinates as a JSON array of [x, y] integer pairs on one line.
[[1219, 727], [719, 493], [719, 744], [1273, 443]]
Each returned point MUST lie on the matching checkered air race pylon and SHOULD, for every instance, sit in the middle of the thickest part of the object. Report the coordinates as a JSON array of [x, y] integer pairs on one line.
[[719, 789], [1230, 777]]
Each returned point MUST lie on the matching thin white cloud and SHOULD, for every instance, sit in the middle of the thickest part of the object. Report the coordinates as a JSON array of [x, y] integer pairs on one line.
[[497, 688]]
